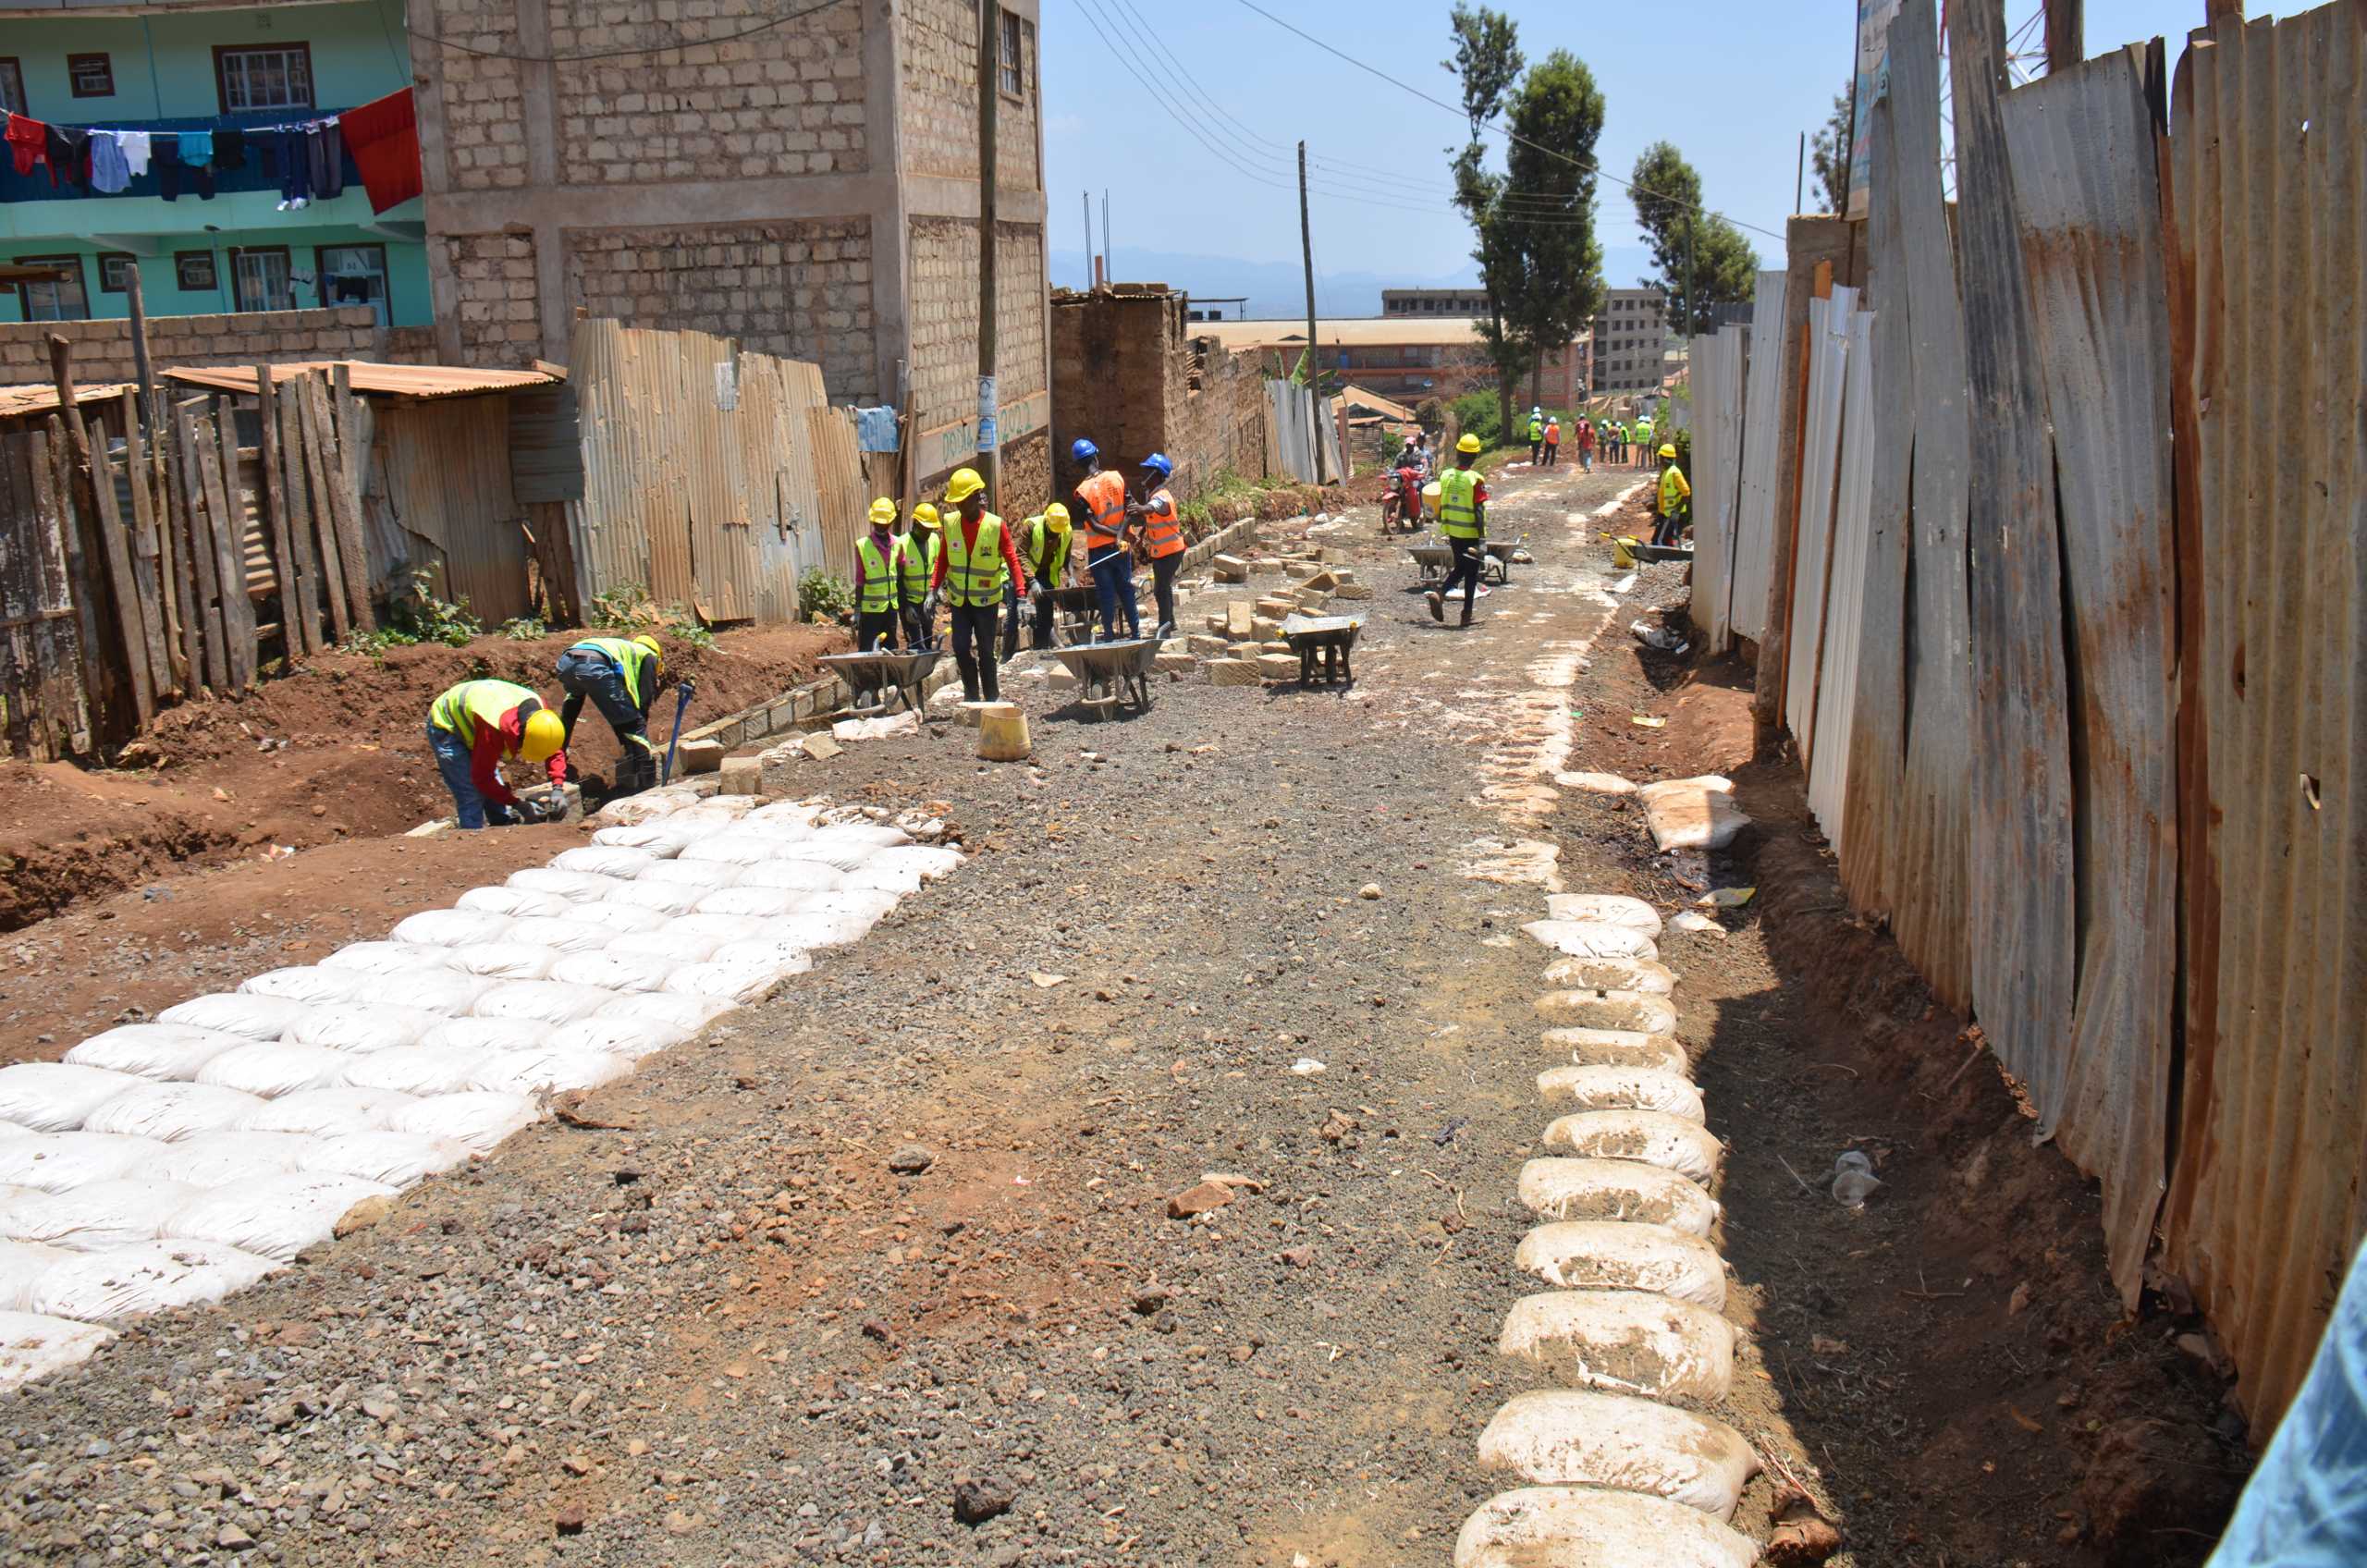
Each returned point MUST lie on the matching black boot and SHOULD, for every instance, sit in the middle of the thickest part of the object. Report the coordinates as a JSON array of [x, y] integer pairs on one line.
[[1438, 607], [1467, 613]]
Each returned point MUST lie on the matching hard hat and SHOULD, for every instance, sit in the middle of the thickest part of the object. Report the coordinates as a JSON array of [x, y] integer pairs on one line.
[[883, 511], [1536, 408], [1468, 444], [1083, 451], [1057, 516], [646, 641], [1668, 451], [542, 735], [964, 484], [925, 513], [1158, 462]]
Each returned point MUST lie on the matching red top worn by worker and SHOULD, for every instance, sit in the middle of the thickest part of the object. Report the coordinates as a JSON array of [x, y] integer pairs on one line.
[[493, 716], [969, 527]]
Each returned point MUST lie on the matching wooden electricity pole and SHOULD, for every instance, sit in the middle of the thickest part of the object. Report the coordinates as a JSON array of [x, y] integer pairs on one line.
[[1313, 370], [2067, 26], [990, 99]]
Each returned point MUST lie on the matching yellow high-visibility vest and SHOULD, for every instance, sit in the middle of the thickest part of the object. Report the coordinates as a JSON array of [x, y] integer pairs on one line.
[[880, 580], [475, 702], [975, 574], [628, 655], [1459, 503]]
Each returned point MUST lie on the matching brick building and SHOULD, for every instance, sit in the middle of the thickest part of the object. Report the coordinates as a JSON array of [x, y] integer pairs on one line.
[[1433, 302], [1631, 340], [809, 189], [1408, 358], [1134, 375]]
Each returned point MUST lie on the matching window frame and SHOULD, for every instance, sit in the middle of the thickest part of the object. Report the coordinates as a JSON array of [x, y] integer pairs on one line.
[[15, 66], [74, 65], [107, 256], [321, 274], [212, 284], [1011, 51], [288, 259], [222, 52], [81, 286]]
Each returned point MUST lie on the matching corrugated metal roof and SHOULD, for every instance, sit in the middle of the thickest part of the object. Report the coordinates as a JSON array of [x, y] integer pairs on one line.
[[40, 397], [1370, 332], [369, 376]]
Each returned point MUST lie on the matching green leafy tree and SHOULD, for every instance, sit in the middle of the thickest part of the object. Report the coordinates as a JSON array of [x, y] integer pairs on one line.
[[1702, 260], [1487, 62], [1829, 153]]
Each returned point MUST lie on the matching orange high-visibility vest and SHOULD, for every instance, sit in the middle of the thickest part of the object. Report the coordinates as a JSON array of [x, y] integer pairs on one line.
[[1105, 498], [1162, 533]]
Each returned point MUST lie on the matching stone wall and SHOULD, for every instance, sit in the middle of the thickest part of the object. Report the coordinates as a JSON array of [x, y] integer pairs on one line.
[[499, 324], [1222, 426], [939, 124], [103, 348], [483, 97], [944, 315]]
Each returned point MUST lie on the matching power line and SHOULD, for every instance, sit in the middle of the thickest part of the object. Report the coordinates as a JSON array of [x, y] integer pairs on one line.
[[639, 50]]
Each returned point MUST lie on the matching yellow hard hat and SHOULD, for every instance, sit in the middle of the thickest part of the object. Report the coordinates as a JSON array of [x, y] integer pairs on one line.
[[964, 484], [646, 641], [1058, 516], [883, 511], [1468, 444], [1668, 451], [544, 735], [925, 513]]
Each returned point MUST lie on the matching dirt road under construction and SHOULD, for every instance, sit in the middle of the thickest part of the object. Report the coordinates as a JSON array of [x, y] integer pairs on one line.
[[884, 1272]]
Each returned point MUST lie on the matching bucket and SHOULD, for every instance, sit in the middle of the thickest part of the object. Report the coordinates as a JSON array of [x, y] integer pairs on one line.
[[1002, 733], [1622, 553]]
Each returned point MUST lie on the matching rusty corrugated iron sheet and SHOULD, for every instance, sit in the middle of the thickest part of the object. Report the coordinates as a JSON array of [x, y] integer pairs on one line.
[[447, 481], [41, 397], [368, 375], [1755, 510], [2269, 143]]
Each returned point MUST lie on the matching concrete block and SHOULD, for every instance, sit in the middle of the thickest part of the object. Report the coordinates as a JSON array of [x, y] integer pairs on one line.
[[741, 776], [1207, 646], [1231, 568], [1322, 582], [1175, 664], [1232, 672], [704, 756], [1277, 667], [1266, 565], [1266, 628], [1058, 679], [1239, 620], [1276, 606], [1352, 591]]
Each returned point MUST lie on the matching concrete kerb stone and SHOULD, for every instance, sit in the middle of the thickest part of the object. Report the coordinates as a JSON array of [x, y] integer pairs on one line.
[[801, 707]]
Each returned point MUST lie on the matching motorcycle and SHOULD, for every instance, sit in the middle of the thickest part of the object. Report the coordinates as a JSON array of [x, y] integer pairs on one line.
[[1402, 505]]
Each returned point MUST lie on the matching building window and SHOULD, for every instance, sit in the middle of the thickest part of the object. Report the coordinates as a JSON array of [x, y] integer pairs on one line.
[[353, 274], [116, 268], [279, 76], [12, 85], [91, 76], [1015, 57], [57, 298], [193, 270], [261, 280]]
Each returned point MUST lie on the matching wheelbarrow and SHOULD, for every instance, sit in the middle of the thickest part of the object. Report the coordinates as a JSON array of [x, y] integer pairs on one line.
[[873, 680], [1113, 672], [1323, 642], [1434, 561]]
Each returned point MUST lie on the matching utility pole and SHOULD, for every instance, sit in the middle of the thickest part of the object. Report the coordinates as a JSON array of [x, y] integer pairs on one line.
[[1800, 175], [1314, 370], [1692, 280], [1108, 257], [1092, 261], [2067, 28], [989, 100]]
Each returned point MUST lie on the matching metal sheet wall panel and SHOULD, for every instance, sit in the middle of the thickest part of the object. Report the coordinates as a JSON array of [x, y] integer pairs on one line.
[[1717, 401], [1845, 600], [1819, 465], [446, 466], [2265, 1202], [545, 462], [1755, 502]]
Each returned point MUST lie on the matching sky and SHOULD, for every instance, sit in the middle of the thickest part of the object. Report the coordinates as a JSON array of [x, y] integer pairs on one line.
[[1732, 83]]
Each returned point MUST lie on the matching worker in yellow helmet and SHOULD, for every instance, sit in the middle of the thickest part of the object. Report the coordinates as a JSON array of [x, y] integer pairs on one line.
[[924, 542], [1044, 550], [878, 581], [1462, 517], [619, 676], [978, 560], [1675, 493], [479, 724]]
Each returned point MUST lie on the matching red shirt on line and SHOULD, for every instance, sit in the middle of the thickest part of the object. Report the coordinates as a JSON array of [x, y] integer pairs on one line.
[[970, 541]]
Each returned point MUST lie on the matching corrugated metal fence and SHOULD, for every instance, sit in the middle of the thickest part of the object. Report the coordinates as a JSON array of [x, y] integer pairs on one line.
[[1295, 430], [2087, 733]]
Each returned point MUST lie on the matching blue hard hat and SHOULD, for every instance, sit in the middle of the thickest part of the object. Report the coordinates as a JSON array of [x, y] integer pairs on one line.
[[1159, 460], [1083, 451]]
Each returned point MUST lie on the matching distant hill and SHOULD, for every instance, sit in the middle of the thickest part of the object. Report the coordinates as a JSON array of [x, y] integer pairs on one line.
[[1277, 290]]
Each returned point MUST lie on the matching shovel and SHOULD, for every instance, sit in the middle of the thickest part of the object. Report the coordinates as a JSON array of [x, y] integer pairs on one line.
[[682, 693]]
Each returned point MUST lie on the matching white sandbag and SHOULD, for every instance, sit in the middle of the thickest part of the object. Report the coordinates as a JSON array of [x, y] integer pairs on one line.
[[169, 1112], [1567, 1188], [1584, 938], [548, 1070], [216, 1160], [872, 835], [387, 958], [58, 1162], [310, 983], [504, 960], [797, 875], [416, 1070], [814, 928], [272, 1068], [567, 936], [1612, 974], [630, 1038], [1621, 1255], [739, 850], [1621, 1088], [686, 871], [875, 876], [165, 1053], [441, 994], [721, 927], [362, 1030], [673, 946], [95, 1218], [1620, 1047], [540, 1001], [1655, 1137], [485, 1035], [10, 1130], [21, 1264], [737, 983], [605, 860], [650, 806], [777, 832], [1608, 1009], [614, 971], [624, 919], [759, 903], [56, 1097], [719, 808], [1569, 1436], [573, 885], [33, 1345], [1607, 909], [844, 854], [780, 952], [867, 904], [1594, 1527], [929, 860], [1692, 814], [257, 1018], [690, 1014], [655, 837], [451, 927], [396, 1158], [516, 902], [480, 1119], [801, 812], [151, 1277], [273, 1216], [659, 897], [1627, 1341], [330, 1113]]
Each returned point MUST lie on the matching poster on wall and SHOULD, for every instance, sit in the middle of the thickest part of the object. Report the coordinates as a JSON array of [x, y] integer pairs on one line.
[[1871, 79]]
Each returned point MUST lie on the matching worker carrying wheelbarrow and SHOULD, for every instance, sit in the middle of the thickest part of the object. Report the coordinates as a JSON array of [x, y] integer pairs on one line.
[[620, 677], [479, 724]]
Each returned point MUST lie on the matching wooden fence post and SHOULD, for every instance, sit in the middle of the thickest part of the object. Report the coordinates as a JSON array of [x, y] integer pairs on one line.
[[205, 558], [146, 561]]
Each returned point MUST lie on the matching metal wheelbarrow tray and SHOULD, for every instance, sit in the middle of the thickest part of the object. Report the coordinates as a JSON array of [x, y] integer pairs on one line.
[[870, 677], [1433, 562], [1110, 672], [1325, 641]]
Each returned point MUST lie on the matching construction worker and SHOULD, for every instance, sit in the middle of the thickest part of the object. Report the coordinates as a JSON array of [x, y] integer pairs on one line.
[[924, 543], [878, 579], [620, 677], [1553, 441], [478, 726], [978, 560], [1644, 442], [1536, 435], [1162, 536], [1102, 499], [1462, 517], [1586, 445], [1673, 495], [1044, 550]]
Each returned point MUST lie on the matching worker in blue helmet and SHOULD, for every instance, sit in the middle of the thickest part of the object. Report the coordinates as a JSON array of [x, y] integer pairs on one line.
[[1086, 453], [1161, 532]]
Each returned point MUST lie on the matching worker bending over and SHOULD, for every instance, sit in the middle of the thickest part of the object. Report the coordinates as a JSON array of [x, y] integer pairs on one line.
[[976, 561], [1462, 517], [924, 545], [620, 677], [1044, 550], [1674, 493], [479, 724], [1162, 536], [878, 579], [1101, 497]]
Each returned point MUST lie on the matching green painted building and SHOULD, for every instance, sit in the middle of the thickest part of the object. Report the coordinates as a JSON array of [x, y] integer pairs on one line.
[[173, 68]]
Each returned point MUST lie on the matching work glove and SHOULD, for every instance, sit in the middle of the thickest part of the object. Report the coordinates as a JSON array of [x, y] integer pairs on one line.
[[928, 605]]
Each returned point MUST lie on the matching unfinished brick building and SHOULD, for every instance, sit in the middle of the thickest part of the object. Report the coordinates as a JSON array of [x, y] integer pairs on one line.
[[809, 187], [1131, 374]]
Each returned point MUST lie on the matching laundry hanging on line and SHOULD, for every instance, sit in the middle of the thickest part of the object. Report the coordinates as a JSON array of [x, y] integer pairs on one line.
[[308, 156]]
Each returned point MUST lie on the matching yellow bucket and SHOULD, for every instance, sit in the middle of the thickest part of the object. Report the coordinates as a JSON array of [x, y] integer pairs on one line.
[[1002, 733], [1623, 553]]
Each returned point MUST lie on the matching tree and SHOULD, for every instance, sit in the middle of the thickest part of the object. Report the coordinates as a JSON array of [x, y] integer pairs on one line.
[[1702, 259], [1487, 61], [1829, 152]]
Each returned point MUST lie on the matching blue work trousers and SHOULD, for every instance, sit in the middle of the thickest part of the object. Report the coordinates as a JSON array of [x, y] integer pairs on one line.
[[1113, 583], [452, 761]]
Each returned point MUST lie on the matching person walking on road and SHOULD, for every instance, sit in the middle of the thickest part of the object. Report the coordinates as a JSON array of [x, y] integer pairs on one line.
[[1586, 445], [1162, 536], [1462, 517], [921, 545], [978, 560], [1101, 497], [474, 728], [1553, 441], [878, 581], [1673, 495], [1644, 441], [1044, 551], [1536, 435], [620, 677]]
